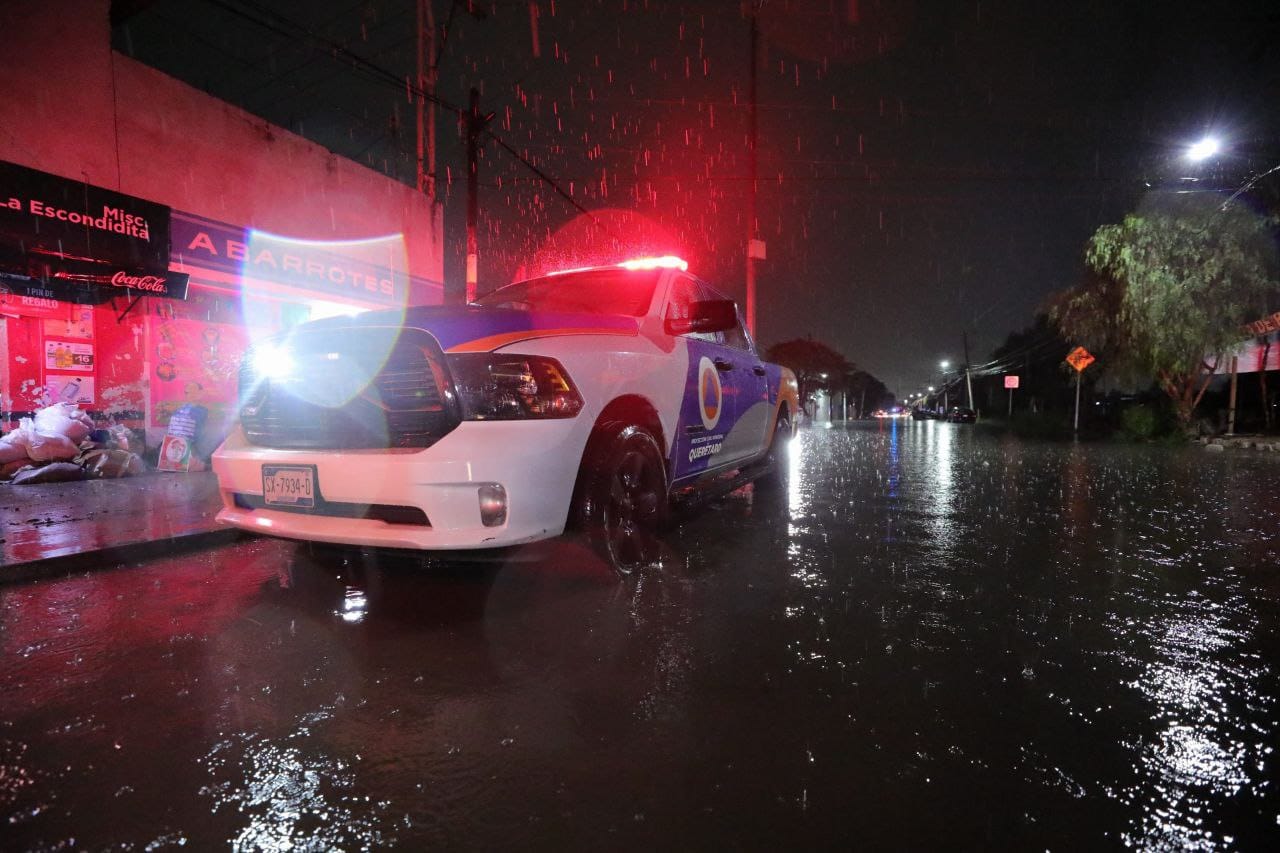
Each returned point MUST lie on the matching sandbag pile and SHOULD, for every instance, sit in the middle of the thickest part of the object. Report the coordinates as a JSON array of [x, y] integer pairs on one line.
[[61, 443]]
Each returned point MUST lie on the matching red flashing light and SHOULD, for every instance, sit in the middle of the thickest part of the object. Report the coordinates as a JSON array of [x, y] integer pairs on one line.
[[664, 262]]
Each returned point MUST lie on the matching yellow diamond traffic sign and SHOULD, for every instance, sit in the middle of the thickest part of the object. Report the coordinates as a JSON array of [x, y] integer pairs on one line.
[[1080, 358]]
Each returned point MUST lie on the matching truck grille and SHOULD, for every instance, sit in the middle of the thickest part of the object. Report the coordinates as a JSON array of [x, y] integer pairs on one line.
[[377, 387]]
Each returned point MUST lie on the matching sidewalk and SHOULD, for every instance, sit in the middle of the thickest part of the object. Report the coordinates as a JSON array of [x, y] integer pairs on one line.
[[61, 527], [1241, 442]]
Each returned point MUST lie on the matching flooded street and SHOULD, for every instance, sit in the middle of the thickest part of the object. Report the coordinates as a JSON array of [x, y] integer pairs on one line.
[[937, 636]]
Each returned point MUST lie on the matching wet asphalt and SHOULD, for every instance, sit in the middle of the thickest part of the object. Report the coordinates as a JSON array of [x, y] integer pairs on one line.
[[935, 636]]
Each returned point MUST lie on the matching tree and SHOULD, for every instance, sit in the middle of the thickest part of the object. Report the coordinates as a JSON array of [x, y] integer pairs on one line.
[[1169, 289], [865, 392], [809, 359]]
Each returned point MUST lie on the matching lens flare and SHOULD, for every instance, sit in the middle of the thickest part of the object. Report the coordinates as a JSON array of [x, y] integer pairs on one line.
[[288, 281]]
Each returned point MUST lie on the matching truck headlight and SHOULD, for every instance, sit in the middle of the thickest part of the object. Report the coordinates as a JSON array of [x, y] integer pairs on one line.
[[493, 387], [271, 360]]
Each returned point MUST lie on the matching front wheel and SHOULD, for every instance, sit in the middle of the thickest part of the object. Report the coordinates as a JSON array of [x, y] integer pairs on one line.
[[623, 496]]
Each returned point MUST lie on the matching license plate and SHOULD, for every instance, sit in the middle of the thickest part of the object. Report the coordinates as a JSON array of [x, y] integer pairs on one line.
[[289, 485]]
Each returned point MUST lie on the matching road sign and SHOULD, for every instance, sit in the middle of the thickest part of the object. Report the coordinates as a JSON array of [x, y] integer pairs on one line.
[[1011, 382], [1080, 358]]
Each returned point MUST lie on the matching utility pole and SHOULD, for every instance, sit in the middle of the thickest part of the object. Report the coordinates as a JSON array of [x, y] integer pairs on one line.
[[1231, 411], [476, 124], [751, 192], [428, 72], [1075, 428], [433, 73], [968, 382], [419, 101]]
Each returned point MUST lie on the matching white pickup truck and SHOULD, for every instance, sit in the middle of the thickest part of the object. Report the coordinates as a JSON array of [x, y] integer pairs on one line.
[[584, 399]]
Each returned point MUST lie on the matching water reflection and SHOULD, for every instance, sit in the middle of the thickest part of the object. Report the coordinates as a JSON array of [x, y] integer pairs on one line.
[[290, 796], [795, 468], [1198, 683], [354, 605], [942, 436], [931, 638]]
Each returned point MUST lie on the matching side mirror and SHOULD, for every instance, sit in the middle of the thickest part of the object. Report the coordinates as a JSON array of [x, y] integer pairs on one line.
[[712, 315]]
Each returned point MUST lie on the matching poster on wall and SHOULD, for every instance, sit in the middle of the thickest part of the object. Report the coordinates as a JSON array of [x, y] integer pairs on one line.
[[68, 388], [68, 355], [76, 322], [193, 363]]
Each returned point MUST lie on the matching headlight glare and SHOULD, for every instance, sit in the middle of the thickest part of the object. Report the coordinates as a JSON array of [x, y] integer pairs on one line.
[[272, 361]]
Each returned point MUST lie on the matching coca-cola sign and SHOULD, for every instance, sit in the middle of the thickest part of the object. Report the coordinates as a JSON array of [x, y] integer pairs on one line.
[[171, 285], [150, 283], [93, 288]]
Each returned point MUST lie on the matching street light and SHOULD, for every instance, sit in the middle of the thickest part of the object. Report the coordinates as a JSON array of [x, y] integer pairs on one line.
[[944, 364], [1203, 150]]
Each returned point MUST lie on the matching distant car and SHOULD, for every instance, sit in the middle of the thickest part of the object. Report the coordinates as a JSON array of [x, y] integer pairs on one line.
[[961, 415], [923, 414]]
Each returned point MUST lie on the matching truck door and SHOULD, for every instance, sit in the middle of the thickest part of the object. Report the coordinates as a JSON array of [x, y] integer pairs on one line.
[[708, 410], [753, 424]]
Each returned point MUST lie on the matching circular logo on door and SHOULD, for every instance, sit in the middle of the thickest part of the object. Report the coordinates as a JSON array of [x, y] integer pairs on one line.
[[710, 397]]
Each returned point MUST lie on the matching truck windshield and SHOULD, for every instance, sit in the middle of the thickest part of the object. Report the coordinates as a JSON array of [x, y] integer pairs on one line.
[[624, 292]]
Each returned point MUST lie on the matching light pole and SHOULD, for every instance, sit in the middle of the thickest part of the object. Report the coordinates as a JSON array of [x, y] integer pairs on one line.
[[945, 365]]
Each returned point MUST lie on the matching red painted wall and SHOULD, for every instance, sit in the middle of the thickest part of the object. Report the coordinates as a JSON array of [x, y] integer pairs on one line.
[[75, 108]]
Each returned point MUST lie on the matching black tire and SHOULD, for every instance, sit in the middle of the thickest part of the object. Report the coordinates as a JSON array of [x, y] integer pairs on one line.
[[774, 469], [622, 496]]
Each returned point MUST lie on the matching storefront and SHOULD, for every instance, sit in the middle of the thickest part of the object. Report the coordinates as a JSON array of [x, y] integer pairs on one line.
[[245, 284], [132, 309], [75, 261]]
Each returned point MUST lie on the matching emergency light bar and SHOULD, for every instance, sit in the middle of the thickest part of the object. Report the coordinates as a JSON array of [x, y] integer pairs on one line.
[[664, 262]]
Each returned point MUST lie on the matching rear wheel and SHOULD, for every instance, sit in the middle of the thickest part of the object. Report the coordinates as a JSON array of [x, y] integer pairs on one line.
[[774, 467], [622, 495]]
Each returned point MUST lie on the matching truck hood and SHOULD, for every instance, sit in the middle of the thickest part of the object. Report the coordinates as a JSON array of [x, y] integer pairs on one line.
[[473, 328]]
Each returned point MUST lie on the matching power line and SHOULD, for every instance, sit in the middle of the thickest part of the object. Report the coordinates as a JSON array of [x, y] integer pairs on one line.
[[281, 26]]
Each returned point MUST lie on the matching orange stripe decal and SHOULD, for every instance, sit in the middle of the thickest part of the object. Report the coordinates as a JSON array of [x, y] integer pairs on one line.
[[493, 342]]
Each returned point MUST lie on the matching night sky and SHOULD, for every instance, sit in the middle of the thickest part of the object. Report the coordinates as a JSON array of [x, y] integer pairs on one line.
[[926, 168]]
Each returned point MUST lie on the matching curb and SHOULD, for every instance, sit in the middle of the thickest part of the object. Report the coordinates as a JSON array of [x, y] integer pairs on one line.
[[105, 558]]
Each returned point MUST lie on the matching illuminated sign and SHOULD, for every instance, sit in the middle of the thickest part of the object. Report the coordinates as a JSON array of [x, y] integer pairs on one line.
[[372, 270], [1264, 326], [49, 223]]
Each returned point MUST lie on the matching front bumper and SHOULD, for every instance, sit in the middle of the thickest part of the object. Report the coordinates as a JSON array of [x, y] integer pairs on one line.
[[535, 461]]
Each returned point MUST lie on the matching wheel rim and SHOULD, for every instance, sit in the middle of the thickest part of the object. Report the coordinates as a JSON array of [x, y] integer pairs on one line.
[[631, 511], [775, 447]]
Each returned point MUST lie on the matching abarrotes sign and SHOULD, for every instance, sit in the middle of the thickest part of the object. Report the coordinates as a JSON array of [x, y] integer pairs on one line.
[[371, 271]]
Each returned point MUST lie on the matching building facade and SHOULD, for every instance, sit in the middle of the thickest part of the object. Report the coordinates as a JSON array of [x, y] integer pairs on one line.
[[250, 229]]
